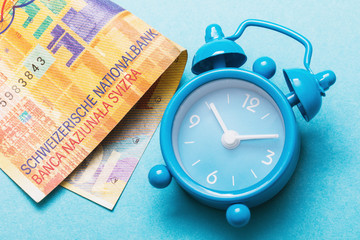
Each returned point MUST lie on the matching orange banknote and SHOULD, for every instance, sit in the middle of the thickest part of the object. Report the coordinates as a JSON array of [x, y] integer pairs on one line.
[[69, 73]]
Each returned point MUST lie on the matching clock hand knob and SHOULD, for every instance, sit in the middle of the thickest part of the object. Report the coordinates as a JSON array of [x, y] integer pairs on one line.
[[218, 117], [229, 139]]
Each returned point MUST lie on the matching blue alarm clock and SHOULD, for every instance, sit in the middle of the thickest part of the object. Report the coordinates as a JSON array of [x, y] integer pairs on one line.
[[229, 136]]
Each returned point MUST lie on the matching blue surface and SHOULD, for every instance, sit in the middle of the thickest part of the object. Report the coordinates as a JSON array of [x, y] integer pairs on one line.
[[322, 199]]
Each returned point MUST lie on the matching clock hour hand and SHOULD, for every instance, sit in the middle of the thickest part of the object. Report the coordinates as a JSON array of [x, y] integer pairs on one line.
[[260, 136], [218, 117]]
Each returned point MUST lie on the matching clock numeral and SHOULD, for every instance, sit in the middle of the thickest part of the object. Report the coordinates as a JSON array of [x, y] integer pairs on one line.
[[194, 120], [269, 157], [252, 103], [212, 178]]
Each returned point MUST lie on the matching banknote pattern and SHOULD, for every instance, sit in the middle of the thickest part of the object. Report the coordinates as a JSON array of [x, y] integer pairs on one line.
[[103, 175], [69, 72]]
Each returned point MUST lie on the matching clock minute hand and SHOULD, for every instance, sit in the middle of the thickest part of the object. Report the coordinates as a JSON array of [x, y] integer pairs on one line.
[[218, 117], [260, 136]]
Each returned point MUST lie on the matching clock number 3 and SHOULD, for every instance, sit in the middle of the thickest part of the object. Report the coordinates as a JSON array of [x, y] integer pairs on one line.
[[212, 178], [194, 120], [252, 103], [269, 157]]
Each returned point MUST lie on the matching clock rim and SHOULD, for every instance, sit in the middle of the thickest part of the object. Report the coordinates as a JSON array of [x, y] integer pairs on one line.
[[265, 188]]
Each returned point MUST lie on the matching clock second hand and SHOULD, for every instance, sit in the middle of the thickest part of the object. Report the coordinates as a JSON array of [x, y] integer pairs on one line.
[[218, 117]]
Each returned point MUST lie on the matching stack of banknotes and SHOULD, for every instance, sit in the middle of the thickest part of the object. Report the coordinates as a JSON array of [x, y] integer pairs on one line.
[[83, 86]]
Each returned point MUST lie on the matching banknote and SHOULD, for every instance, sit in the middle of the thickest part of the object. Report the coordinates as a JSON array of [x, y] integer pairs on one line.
[[69, 72], [103, 175]]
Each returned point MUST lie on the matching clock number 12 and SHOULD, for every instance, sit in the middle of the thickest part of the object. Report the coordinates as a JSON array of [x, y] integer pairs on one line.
[[252, 103]]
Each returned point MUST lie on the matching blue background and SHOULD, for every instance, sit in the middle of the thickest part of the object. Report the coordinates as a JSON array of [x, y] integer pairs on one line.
[[322, 199]]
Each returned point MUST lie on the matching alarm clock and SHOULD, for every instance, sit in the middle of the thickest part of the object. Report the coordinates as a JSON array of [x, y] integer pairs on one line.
[[229, 136]]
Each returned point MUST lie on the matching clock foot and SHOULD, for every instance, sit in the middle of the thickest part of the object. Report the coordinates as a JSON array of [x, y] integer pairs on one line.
[[238, 215], [159, 176]]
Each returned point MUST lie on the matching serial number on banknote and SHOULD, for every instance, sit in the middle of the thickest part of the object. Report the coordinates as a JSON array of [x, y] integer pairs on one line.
[[22, 81]]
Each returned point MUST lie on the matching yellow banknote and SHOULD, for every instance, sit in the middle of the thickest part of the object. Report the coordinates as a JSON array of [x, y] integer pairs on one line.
[[69, 72]]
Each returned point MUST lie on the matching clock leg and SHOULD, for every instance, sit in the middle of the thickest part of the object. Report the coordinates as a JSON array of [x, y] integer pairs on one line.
[[238, 215], [159, 176]]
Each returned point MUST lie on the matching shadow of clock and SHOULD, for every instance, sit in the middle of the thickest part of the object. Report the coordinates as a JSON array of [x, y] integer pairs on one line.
[[288, 208], [193, 216]]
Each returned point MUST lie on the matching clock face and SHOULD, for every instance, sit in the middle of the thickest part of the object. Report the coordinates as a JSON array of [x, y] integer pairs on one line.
[[228, 135]]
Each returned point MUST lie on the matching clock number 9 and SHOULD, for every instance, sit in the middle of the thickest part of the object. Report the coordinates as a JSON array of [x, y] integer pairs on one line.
[[212, 178], [253, 103], [194, 120]]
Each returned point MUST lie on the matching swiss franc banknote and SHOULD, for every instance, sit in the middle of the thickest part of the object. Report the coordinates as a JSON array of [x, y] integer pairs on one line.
[[103, 175], [69, 72]]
